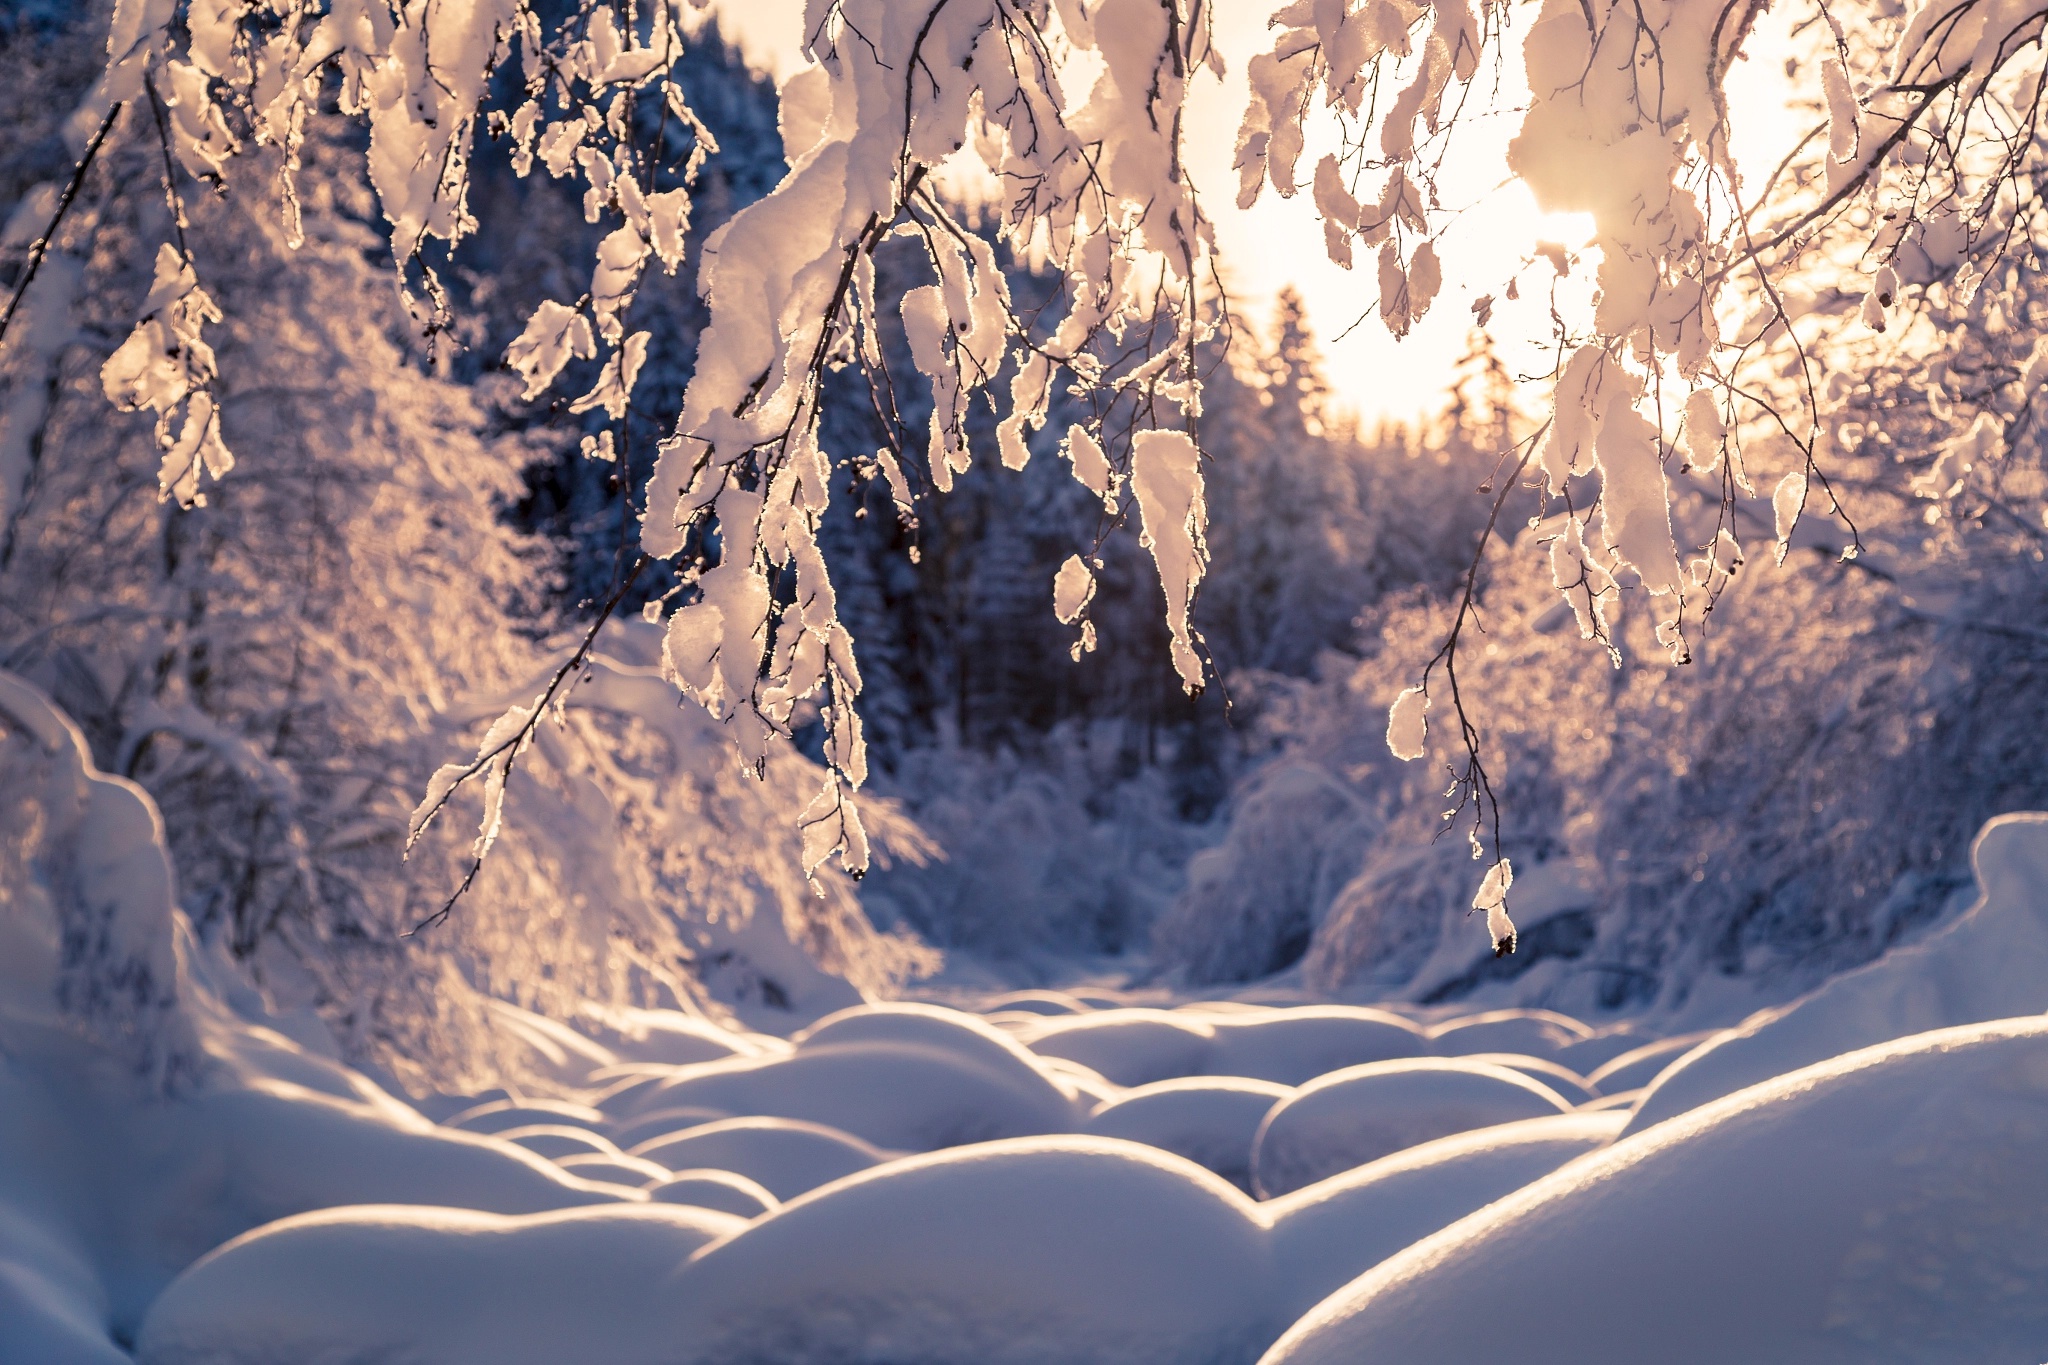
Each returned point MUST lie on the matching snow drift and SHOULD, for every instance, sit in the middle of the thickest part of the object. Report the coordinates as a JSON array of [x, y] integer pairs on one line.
[[144, 1117], [1990, 963], [1883, 1205], [434, 1286]]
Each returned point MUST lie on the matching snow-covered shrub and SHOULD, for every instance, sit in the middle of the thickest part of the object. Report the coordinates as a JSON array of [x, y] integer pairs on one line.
[[1788, 804], [1252, 903], [1042, 850]]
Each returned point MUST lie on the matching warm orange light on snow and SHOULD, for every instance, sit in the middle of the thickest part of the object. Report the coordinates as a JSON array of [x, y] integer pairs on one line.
[[1498, 243]]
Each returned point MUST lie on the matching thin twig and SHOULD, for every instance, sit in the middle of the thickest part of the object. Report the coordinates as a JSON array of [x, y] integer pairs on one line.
[[514, 743], [41, 246]]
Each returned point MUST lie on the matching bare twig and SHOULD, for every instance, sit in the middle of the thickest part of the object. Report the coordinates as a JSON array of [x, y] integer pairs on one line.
[[41, 246]]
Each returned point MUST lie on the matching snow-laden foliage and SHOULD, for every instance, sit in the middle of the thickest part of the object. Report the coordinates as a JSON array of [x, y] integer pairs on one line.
[[1700, 327], [284, 667], [1691, 338], [1092, 181], [1799, 797]]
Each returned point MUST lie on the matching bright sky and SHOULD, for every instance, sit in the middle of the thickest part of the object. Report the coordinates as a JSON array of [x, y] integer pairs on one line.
[[1280, 242]]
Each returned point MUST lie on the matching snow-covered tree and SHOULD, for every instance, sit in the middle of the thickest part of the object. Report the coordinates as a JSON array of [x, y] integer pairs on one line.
[[283, 667], [1075, 108]]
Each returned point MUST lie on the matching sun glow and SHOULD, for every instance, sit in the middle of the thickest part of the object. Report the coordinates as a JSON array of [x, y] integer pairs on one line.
[[1507, 260]]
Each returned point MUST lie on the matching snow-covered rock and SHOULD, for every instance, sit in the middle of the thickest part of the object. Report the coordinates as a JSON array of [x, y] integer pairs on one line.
[[1037, 1002], [1884, 1205], [645, 1128], [614, 1169], [725, 1191], [1363, 1113], [1538, 1033], [504, 1116], [972, 1039], [909, 1096], [1589, 1054], [1562, 1079], [148, 1110], [557, 1140], [1296, 1045], [1637, 1067]]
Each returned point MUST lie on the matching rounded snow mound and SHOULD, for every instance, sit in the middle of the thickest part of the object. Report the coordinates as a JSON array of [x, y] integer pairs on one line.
[[1128, 1046], [911, 1096], [1291, 1047], [618, 1169], [784, 1156], [1536, 1033], [724, 1191], [1210, 1120], [973, 1039], [504, 1116], [1036, 1002], [1068, 1249], [1329, 1233], [1991, 962], [638, 1132], [1362, 1113], [1636, 1068], [557, 1140], [431, 1286], [1885, 1205], [1558, 1077]]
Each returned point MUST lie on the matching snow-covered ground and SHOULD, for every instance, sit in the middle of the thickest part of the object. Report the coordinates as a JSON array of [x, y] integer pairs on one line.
[[1042, 1176]]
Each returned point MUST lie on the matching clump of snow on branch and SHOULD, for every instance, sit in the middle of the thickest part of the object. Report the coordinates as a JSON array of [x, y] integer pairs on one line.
[[1092, 185], [166, 366]]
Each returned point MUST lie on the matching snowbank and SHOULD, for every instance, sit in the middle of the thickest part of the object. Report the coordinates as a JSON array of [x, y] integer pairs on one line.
[[1362, 1113], [1989, 963], [147, 1110], [1885, 1205], [432, 1286]]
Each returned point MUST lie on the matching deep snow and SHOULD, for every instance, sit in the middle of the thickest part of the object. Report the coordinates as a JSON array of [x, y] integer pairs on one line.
[[1050, 1176]]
